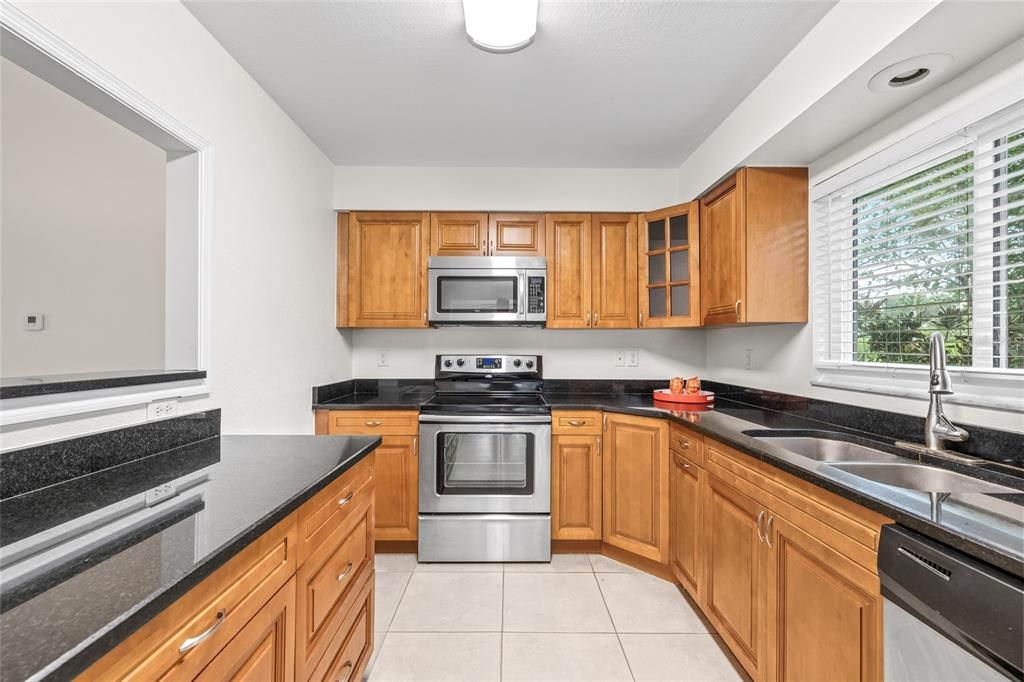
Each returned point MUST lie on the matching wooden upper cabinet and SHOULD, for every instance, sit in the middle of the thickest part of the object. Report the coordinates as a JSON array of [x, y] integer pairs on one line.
[[613, 271], [569, 295], [591, 271], [824, 612], [669, 268], [387, 269], [458, 234], [636, 481], [516, 234], [754, 248]]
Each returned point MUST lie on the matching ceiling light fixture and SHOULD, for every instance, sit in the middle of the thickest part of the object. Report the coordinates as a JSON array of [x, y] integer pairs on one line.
[[501, 25], [909, 72]]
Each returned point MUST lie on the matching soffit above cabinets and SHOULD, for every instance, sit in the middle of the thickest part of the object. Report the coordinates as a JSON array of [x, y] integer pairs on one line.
[[605, 85]]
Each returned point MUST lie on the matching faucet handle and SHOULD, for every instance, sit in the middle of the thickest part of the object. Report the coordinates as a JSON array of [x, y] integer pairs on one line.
[[946, 430]]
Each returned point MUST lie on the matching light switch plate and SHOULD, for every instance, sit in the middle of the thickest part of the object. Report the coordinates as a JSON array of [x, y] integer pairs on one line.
[[383, 357], [632, 357], [620, 358]]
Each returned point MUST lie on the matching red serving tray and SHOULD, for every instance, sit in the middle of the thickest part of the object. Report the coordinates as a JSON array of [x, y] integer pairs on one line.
[[702, 398]]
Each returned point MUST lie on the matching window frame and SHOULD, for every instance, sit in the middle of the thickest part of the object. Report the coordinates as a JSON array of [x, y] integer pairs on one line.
[[1000, 388]]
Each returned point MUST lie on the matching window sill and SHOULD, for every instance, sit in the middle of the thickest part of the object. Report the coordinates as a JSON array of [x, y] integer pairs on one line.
[[1001, 391]]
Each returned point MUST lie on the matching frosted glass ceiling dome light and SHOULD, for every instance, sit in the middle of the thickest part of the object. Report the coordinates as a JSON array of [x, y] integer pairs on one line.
[[500, 25]]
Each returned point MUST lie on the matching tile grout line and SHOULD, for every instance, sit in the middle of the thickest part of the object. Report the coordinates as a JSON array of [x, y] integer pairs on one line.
[[394, 615], [614, 627]]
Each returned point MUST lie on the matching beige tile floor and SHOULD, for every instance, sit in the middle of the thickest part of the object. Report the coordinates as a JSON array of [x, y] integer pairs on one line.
[[582, 617]]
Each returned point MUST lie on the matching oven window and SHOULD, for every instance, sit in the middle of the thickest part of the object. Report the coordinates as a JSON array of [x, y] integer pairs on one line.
[[484, 464], [477, 294]]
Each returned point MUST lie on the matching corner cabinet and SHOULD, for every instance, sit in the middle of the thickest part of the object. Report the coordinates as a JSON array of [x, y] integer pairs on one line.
[[753, 243], [669, 267], [636, 481], [382, 269], [592, 271]]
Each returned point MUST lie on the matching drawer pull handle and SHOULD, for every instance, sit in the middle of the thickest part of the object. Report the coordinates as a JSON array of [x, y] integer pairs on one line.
[[768, 531], [347, 670], [760, 517], [685, 445], [373, 422], [193, 642], [577, 422], [344, 574], [345, 500], [682, 462]]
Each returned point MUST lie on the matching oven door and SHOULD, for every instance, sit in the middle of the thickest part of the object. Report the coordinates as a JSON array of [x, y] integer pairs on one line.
[[459, 296], [485, 466]]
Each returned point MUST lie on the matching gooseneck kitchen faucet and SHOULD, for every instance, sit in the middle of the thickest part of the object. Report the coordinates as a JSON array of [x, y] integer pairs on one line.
[[937, 428]]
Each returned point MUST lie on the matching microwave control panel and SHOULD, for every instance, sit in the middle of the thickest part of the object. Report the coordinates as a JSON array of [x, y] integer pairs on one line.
[[535, 292]]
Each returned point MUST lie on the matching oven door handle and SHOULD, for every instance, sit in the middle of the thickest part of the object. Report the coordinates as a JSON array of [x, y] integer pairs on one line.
[[485, 419]]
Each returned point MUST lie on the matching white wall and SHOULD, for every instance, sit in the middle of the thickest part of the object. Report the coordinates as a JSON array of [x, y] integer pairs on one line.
[[568, 354], [272, 256], [82, 235], [503, 189]]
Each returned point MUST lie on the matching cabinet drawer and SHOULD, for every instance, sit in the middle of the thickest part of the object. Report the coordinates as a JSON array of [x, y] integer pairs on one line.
[[328, 581], [687, 443], [374, 423], [328, 509], [349, 651], [207, 618], [569, 423], [264, 649]]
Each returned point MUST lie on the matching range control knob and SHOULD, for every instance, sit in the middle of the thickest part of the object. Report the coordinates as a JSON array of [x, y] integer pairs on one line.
[[460, 362], [517, 362], [529, 364], [448, 363]]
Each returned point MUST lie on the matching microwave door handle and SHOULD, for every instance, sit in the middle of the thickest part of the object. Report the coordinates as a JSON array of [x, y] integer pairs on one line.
[[522, 295]]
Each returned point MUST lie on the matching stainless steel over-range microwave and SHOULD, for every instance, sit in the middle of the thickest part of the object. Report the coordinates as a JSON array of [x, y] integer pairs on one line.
[[492, 290]]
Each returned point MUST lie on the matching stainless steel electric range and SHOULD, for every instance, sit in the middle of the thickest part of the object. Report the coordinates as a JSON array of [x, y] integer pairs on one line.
[[485, 461]]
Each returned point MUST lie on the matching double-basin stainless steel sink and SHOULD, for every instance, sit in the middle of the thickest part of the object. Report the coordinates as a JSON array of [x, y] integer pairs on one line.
[[875, 465]]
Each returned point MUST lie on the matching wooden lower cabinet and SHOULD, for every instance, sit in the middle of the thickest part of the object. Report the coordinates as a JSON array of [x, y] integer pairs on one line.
[[733, 583], [636, 473], [397, 464], [576, 487], [398, 488], [686, 558], [264, 649], [271, 612], [823, 611]]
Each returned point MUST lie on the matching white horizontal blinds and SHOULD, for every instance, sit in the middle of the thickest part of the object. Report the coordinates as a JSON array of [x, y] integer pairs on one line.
[[933, 243]]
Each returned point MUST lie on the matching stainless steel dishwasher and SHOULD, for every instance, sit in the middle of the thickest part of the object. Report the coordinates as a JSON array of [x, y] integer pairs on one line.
[[947, 616]]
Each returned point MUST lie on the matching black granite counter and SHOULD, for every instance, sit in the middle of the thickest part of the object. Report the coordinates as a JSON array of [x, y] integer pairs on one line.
[[373, 394], [135, 552], [987, 526], [48, 384]]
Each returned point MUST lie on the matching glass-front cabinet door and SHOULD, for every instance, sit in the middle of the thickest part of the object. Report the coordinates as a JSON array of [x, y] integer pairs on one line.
[[669, 268]]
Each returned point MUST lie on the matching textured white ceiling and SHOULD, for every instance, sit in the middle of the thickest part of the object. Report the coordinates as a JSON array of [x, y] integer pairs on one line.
[[605, 85]]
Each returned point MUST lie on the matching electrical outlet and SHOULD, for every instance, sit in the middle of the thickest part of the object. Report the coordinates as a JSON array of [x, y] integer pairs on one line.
[[632, 358], [748, 358], [620, 358], [162, 409], [383, 357], [161, 492]]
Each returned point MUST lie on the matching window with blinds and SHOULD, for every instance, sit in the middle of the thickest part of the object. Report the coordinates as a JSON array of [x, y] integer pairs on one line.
[[933, 243]]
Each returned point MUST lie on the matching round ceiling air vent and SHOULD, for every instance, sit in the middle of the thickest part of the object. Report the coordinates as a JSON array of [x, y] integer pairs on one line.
[[909, 72]]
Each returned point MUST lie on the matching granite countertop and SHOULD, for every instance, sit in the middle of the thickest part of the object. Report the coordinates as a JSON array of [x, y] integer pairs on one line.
[[48, 384], [71, 607], [986, 526]]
